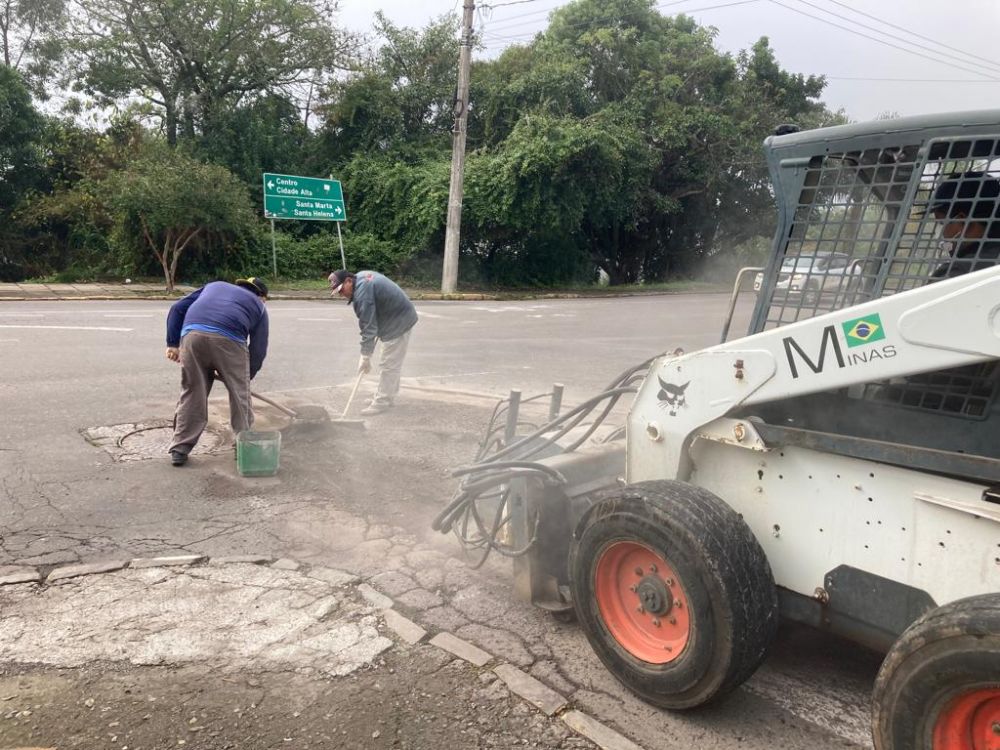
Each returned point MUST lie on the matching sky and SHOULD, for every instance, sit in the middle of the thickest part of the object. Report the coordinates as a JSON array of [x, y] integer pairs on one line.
[[906, 57]]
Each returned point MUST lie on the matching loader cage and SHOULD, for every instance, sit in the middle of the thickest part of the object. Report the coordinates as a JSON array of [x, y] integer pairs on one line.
[[861, 218]]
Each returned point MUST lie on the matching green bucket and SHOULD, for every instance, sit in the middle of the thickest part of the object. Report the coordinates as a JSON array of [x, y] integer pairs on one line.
[[258, 453]]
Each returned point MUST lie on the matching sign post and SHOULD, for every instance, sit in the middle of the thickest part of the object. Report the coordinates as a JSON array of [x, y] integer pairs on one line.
[[274, 252], [305, 198]]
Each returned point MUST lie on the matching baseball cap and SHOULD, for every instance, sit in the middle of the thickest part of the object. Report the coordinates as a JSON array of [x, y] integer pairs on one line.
[[255, 285], [337, 279]]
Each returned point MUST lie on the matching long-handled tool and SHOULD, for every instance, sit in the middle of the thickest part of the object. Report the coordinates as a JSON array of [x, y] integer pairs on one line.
[[343, 420], [311, 413]]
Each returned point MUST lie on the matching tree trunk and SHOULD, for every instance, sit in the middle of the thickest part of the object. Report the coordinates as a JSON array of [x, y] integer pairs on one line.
[[170, 123], [166, 270]]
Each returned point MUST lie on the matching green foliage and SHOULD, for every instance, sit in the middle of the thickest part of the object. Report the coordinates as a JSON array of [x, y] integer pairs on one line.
[[166, 203], [618, 139], [21, 129], [31, 40], [312, 257], [193, 60], [265, 135], [20, 136], [400, 102], [394, 199]]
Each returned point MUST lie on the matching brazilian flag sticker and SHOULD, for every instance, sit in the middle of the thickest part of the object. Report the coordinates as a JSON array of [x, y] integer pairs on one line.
[[861, 331]]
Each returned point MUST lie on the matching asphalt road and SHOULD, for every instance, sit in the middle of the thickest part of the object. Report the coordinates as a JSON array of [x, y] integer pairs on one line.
[[70, 366]]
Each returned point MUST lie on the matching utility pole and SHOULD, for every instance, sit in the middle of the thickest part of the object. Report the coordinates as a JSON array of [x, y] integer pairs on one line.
[[449, 274]]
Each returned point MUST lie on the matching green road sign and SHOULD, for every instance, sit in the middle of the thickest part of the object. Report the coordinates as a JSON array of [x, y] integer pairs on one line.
[[291, 197]]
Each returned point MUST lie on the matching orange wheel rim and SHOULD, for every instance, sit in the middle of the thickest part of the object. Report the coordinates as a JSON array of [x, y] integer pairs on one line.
[[642, 602], [970, 722]]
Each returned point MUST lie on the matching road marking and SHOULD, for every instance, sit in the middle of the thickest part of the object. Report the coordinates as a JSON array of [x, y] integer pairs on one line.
[[452, 375], [126, 315], [275, 306], [9, 341], [73, 328], [512, 309], [21, 315]]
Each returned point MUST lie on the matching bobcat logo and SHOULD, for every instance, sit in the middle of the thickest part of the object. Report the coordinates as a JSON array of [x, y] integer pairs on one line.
[[672, 396]]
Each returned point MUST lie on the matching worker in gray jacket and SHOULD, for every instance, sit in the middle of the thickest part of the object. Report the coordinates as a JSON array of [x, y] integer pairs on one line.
[[384, 313]]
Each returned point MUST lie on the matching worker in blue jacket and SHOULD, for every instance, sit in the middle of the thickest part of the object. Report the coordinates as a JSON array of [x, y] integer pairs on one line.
[[217, 331], [384, 313]]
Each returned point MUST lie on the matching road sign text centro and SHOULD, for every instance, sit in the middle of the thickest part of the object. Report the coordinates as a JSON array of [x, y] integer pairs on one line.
[[308, 198]]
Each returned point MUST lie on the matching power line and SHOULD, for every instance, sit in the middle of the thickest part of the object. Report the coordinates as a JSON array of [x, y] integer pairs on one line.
[[489, 6], [893, 36], [505, 26], [976, 58], [582, 24], [876, 39]]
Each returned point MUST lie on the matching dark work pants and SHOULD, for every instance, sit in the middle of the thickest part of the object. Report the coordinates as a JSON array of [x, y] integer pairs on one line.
[[203, 355]]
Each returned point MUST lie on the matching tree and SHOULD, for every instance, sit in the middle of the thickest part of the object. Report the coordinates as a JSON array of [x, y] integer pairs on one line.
[[263, 135], [401, 101], [682, 126], [20, 136], [168, 203], [21, 129], [194, 59], [30, 38]]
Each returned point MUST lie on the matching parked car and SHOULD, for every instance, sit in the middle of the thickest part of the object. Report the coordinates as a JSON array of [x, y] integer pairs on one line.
[[814, 275]]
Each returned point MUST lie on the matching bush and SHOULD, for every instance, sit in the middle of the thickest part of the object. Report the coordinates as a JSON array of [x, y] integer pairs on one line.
[[314, 256]]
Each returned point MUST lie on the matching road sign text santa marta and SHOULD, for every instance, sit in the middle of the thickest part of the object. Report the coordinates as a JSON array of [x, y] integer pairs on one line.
[[293, 197]]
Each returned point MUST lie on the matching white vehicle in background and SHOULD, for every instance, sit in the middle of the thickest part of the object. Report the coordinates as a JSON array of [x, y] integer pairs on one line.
[[812, 277]]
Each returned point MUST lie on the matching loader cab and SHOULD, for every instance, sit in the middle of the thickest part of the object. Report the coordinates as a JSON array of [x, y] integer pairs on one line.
[[861, 210]]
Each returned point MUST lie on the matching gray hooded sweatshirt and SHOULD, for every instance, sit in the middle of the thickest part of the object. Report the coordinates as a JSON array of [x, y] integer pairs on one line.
[[383, 309]]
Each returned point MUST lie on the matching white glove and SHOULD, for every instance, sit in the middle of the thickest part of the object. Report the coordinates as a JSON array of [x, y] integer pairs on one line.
[[365, 364]]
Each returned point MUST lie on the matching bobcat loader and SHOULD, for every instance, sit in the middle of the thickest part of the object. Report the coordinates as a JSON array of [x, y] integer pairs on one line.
[[838, 466]]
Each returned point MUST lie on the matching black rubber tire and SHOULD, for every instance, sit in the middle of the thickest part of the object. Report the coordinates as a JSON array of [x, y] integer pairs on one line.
[[949, 651], [733, 602]]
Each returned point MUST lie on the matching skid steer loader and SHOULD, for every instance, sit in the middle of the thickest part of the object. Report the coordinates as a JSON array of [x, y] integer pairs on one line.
[[838, 466]]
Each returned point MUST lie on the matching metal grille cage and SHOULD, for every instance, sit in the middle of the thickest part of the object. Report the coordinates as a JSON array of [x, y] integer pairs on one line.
[[873, 222]]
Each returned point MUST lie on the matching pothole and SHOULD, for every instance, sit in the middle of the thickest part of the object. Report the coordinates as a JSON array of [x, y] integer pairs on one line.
[[139, 441]]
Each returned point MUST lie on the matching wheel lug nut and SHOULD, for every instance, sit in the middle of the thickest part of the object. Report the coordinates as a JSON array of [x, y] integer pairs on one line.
[[678, 603], [633, 588], [668, 648], [673, 620], [638, 571], [996, 727], [670, 581], [640, 609], [656, 621], [652, 568]]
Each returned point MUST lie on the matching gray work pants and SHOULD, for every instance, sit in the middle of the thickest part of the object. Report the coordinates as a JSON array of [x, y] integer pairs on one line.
[[203, 355], [390, 365]]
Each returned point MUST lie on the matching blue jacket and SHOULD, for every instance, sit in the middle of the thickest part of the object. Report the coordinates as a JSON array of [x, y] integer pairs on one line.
[[383, 309], [224, 308]]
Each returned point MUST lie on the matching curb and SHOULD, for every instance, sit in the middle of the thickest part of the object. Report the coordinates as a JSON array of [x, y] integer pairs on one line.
[[529, 689]]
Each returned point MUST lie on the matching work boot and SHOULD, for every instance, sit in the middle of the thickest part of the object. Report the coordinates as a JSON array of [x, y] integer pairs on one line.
[[177, 458], [375, 408]]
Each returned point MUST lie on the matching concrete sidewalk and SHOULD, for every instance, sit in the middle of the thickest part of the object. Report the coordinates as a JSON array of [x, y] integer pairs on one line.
[[34, 291]]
